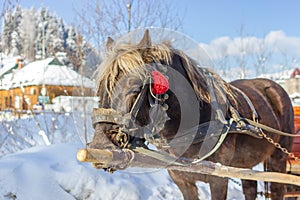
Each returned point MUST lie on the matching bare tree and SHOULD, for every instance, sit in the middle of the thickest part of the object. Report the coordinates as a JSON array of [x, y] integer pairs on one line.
[[224, 62], [28, 34], [288, 61], [6, 5], [243, 52], [262, 57], [99, 19]]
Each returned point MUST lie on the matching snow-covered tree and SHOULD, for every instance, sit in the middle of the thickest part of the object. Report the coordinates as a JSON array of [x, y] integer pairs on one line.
[[41, 24], [28, 33], [59, 40], [71, 39], [39, 34], [6, 32], [16, 43]]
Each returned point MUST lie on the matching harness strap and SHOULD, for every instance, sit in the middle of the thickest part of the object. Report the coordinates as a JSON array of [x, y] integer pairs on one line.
[[215, 148], [109, 115], [253, 125], [138, 102], [249, 102], [269, 129], [198, 133], [214, 101], [162, 156]]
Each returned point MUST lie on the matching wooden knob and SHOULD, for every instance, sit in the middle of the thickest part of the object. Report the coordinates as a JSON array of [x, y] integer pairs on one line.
[[94, 155]]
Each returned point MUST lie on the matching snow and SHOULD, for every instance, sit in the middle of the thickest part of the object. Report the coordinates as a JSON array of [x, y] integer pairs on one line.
[[7, 63], [48, 172], [41, 72], [54, 173], [278, 76]]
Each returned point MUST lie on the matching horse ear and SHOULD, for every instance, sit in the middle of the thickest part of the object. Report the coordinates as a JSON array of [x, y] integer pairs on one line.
[[146, 40], [109, 44]]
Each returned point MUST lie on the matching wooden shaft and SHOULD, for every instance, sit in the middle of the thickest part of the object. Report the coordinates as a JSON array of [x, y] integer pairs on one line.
[[241, 173], [113, 157]]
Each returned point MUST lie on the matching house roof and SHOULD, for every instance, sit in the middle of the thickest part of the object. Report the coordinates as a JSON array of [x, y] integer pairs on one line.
[[296, 73], [49, 72], [8, 65]]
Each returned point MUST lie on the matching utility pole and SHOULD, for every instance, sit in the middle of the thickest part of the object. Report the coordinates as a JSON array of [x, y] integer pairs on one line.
[[43, 41], [128, 5], [43, 89]]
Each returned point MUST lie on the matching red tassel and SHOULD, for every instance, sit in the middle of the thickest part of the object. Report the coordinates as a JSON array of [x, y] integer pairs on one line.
[[160, 83]]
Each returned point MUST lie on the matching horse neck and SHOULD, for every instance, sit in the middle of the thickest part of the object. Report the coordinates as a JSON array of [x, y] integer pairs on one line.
[[193, 110]]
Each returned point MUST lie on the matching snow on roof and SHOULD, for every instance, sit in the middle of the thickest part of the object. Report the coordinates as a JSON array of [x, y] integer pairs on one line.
[[48, 72], [7, 64], [295, 95], [282, 75]]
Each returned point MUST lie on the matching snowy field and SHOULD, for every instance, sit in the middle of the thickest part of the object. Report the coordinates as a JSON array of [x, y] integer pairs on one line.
[[52, 172]]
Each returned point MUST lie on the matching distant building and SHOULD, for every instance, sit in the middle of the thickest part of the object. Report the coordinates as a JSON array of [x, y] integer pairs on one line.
[[10, 65], [291, 84], [22, 87], [74, 103]]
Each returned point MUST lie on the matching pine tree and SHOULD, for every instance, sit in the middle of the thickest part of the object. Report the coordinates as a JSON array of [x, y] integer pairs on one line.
[[16, 44], [59, 41], [71, 47], [28, 33], [40, 40], [40, 34], [6, 32]]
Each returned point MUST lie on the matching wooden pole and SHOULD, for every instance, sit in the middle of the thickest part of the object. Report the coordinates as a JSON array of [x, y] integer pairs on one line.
[[118, 157]]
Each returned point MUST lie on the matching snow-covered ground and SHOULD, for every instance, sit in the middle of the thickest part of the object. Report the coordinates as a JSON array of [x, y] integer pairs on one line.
[[52, 171]]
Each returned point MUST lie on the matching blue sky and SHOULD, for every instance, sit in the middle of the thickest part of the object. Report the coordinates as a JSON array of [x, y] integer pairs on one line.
[[207, 20], [210, 19], [215, 25]]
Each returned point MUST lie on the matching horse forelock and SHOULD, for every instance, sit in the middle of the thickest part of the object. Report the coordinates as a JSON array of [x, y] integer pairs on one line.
[[126, 59]]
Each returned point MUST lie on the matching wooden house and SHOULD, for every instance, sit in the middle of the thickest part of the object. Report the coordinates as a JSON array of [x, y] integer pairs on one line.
[[40, 82]]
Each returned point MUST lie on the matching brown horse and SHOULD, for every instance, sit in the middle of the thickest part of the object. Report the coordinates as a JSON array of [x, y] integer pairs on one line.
[[162, 97]]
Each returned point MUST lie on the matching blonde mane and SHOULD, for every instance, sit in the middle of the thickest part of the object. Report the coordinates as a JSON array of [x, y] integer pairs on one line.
[[124, 59]]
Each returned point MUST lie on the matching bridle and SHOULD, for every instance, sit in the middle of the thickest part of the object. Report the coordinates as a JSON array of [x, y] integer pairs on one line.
[[127, 123]]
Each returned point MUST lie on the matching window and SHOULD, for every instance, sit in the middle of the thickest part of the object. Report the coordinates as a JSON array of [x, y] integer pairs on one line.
[[6, 102], [10, 102], [33, 91]]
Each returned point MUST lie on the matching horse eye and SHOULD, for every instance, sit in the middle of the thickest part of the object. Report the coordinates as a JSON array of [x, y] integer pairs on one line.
[[133, 91], [136, 90]]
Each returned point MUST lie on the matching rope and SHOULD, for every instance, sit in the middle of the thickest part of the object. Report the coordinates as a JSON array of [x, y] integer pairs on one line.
[[166, 158]]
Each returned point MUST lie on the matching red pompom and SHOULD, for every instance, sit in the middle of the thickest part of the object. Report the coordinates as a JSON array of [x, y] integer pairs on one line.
[[160, 83]]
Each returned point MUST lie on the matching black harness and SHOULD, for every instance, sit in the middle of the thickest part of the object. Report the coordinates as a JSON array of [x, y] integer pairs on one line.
[[128, 127]]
